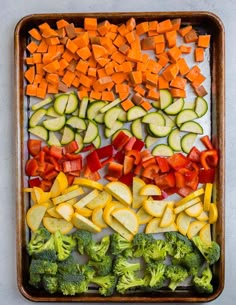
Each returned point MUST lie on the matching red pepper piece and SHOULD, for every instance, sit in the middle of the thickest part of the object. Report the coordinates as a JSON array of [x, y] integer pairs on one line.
[[93, 161], [130, 144], [55, 163], [105, 151], [150, 171], [70, 179], [163, 164], [194, 154], [46, 149], [209, 158], [166, 180], [50, 175], [46, 185], [120, 140], [34, 146], [185, 191], [138, 145], [127, 179], [32, 167], [179, 180], [56, 152], [128, 164], [178, 161], [71, 156], [89, 147], [207, 175], [207, 142], [119, 156], [148, 162], [135, 154], [70, 147], [108, 160], [115, 170], [34, 182], [72, 165]]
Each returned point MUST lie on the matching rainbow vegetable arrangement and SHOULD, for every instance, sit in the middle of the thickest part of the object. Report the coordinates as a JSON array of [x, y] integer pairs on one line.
[[112, 151]]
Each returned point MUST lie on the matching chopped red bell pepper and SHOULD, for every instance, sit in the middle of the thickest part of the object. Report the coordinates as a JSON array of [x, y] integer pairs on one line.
[[209, 158], [72, 165], [56, 152], [34, 146], [194, 154], [129, 145], [206, 175], [106, 161], [119, 156], [70, 179], [165, 181], [105, 151], [207, 142], [34, 182], [75, 173], [163, 164], [71, 156], [185, 191], [128, 164], [138, 145], [148, 162], [150, 171], [179, 180], [89, 147], [136, 154], [120, 140], [93, 161], [70, 147], [115, 170], [127, 179], [50, 175], [46, 185], [178, 161], [32, 167]]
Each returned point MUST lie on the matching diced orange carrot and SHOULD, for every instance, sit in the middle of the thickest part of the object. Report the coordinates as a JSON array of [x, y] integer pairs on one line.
[[139, 89], [118, 57], [163, 60], [154, 95], [98, 51], [84, 52], [68, 78], [62, 23], [39, 69], [71, 46], [52, 41], [68, 56], [135, 77], [52, 78], [137, 99], [30, 74], [122, 29], [49, 33], [185, 30], [148, 43], [183, 66], [82, 93], [35, 34], [85, 81], [118, 77], [29, 61], [160, 47], [90, 24], [103, 27], [191, 36], [119, 40], [193, 73], [153, 66], [177, 92], [131, 36], [152, 25], [164, 26], [204, 41], [127, 104], [44, 26], [151, 79], [43, 47], [163, 83], [174, 54], [95, 95], [142, 28], [37, 79], [52, 89], [70, 31], [124, 49], [37, 58], [171, 72], [176, 24], [82, 40], [146, 105], [41, 92], [76, 82], [108, 96], [131, 24], [31, 89], [82, 66], [171, 37], [178, 82], [199, 54], [198, 80], [185, 49], [32, 47], [52, 67]]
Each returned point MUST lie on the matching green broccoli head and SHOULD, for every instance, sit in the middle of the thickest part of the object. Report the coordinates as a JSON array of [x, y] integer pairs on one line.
[[121, 266], [87, 271], [83, 238], [50, 283], [47, 251], [38, 239], [71, 284], [97, 250], [203, 283], [43, 267], [176, 274], [35, 280], [68, 265], [140, 242], [157, 250], [181, 249], [64, 245], [128, 281], [210, 252], [102, 267], [107, 284], [155, 274], [193, 262], [120, 245]]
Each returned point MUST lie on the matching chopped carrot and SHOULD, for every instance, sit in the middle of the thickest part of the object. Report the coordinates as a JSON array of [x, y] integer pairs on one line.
[[41, 92], [30, 74], [154, 95], [85, 80], [95, 95], [52, 89], [164, 26], [98, 51], [43, 47], [163, 60], [68, 56], [137, 99], [127, 66], [52, 67], [135, 77], [142, 28], [174, 54], [131, 24], [146, 105], [171, 37], [183, 66], [90, 24], [49, 33], [31, 89], [153, 66], [171, 72], [151, 79], [61, 24], [198, 80], [76, 82], [131, 36], [108, 96], [123, 95], [140, 90], [178, 82], [103, 27], [191, 36], [118, 77], [160, 47], [127, 104], [82, 93], [204, 41], [199, 54], [185, 30], [177, 92], [32, 47], [193, 73], [71, 46], [37, 79], [35, 34], [134, 55], [200, 91], [37, 58], [68, 78], [176, 24], [185, 49], [118, 57], [148, 43], [119, 40], [163, 83], [52, 78], [29, 61], [82, 66]]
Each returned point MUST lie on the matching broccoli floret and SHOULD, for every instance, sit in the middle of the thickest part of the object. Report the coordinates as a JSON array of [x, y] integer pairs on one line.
[[64, 245], [83, 238], [203, 283], [102, 267], [155, 274], [158, 250], [176, 274], [120, 245], [87, 271], [50, 283], [181, 249], [210, 252], [35, 280], [69, 266], [193, 262], [70, 284], [127, 281], [107, 284], [173, 237], [43, 267], [97, 250], [140, 242], [121, 266], [47, 251], [38, 239]]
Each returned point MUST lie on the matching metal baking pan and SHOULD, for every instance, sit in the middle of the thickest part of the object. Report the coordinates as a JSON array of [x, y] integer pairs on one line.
[[204, 22]]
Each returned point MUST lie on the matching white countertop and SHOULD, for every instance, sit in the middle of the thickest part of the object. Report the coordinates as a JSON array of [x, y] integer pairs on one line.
[[10, 13]]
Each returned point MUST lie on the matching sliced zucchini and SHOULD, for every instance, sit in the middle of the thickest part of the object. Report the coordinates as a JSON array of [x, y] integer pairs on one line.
[[111, 116], [41, 104], [192, 126], [154, 118], [55, 124], [135, 112], [175, 107], [97, 142], [126, 131], [136, 128], [51, 112], [201, 106], [162, 150], [168, 120], [94, 109], [37, 116], [91, 132], [39, 131], [99, 118], [189, 105], [110, 105], [76, 122], [60, 103], [174, 139], [80, 142], [53, 139], [67, 136], [122, 115], [149, 141], [185, 115], [83, 107], [187, 142], [110, 131], [165, 98], [156, 104], [72, 103], [159, 131]]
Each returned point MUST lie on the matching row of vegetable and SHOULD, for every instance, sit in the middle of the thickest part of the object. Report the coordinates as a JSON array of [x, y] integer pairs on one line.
[[109, 149]]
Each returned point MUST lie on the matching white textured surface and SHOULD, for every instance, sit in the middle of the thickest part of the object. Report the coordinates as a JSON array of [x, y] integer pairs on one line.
[[10, 13]]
